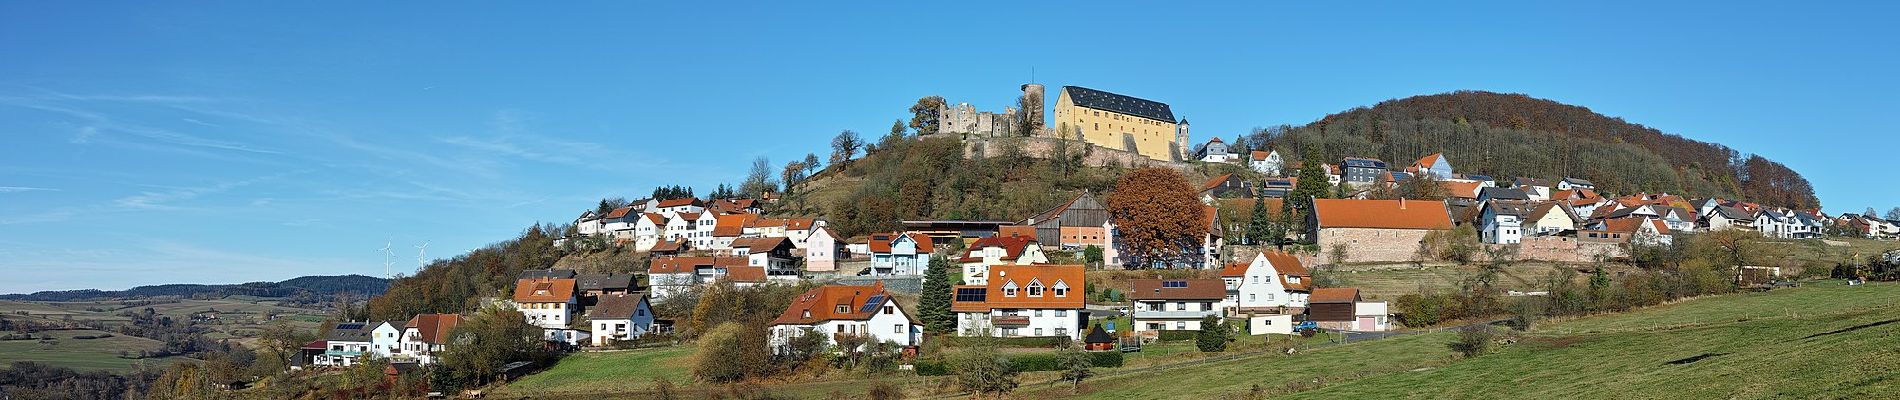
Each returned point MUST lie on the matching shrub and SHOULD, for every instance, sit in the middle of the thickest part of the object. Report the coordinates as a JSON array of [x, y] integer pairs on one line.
[[982, 370], [1038, 341], [1213, 336], [1175, 336], [884, 391], [1472, 341], [931, 368]]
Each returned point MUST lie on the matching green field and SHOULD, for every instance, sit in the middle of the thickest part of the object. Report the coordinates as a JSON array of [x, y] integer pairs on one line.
[[82, 354], [608, 372], [239, 319], [1822, 341]]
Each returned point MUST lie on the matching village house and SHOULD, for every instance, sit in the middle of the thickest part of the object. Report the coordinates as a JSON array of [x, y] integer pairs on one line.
[[1265, 162], [1643, 230], [594, 285], [1274, 282], [673, 207], [841, 310], [1375, 230], [900, 254], [1342, 309], [1550, 218], [998, 250], [1082, 216], [1174, 304], [821, 250], [1361, 172], [1726, 217], [773, 253], [672, 275], [1575, 183], [1502, 221], [704, 229], [649, 231], [682, 226], [550, 304], [1536, 189], [588, 224], [617, 223], [346, 344], [618, 317], [385, 339], [1434, 164], [425, 335], [1023, 300], [1225, 186], [1215, 151]]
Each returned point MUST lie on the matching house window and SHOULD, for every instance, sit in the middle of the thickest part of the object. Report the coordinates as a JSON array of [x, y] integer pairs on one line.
[[887, 310], [897, 328], [1035, 289], [1038, 313], [1180, 306], [843, 309], [1180, 325], [1062, 331], [1252, 297], [1038, 331], [1062, 313], [807, 313]]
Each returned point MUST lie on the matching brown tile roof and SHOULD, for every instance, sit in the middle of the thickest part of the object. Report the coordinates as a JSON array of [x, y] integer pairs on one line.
[[434, 328], [1235, 270], [1013, 247], [761, 244], [1631, 224], [618, 213], [1428, 160], [1048, 275], [684, 201], [689, 216], [881, 242], [544, 290], [1288, 265], [1334, 295], [668, 246], [1462, 190], [656, 218], [615, 306], [687, 265], [730, 225], [822, 303], [1215, 182], [745, 274], [1178, 289], [1258, 155], [1382, 214], [1016, 230], [1246, 205]]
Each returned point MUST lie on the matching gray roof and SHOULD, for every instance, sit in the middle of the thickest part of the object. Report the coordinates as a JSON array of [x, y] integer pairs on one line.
[[1516, 208], [603, 281], [1129, 105], [1532, 182], [351, 332], [1357, 162], [1732, 213], [547, 273], [1498, 193], [615, 306], [1773, 215], [1578, 181]]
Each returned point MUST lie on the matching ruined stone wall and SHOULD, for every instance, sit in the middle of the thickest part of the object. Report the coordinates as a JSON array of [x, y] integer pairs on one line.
[[1372, 245], [1043, 146]]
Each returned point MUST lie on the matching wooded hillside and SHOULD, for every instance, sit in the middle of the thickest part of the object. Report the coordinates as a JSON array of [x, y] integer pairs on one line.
[[1513, 135]]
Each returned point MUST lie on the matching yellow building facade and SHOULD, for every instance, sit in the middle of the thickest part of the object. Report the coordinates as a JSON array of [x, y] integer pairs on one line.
[[1120, 122]]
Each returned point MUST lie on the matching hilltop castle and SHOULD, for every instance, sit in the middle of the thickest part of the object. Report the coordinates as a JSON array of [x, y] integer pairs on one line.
[[1100, 118]]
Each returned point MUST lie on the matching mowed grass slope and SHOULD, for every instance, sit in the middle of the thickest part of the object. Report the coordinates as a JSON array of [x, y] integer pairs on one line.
[[606, 372], [100, 354], [1822, 341]]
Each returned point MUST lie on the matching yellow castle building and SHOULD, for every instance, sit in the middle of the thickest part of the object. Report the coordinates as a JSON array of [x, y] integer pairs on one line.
[[1121, 122]]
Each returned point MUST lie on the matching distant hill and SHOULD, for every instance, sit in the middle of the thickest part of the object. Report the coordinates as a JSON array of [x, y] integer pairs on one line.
[[364, 286], [1512, 135]]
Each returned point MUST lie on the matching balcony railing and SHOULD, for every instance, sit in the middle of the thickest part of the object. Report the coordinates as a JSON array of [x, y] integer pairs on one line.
[[1009, 320], [1174, 314]]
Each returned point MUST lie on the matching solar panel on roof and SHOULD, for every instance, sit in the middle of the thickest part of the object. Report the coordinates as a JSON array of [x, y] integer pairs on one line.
[[871, 303]]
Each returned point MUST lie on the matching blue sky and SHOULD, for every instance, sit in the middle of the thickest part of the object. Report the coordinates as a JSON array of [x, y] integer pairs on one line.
[[229, 142]]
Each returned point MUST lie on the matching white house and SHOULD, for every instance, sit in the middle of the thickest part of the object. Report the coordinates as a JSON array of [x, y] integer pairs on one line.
[[618, 223], [671, 207], [998, 250], [895, 254], [550, 304], [1536, 189], [704, 229], [385, 339], [1550, 218], [1215, 151], [345, 344], [588, 224], [648, 231], [673, 275], [1175, 304], [1725, 217], [682, 226], [425, 335], [619, 316], [1265, 162], [1275, 282], [773, 253], [1575, 183], [838, 310], [1023, 300], [1502, 221], [821, 250]]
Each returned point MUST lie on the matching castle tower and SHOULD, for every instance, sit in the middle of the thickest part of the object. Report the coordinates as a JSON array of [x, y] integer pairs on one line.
[[1032, 107], [1181, 139]]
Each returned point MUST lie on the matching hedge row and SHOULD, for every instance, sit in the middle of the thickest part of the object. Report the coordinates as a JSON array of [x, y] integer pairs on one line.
[[1170, 336], [1027, 363], [1038, 341]]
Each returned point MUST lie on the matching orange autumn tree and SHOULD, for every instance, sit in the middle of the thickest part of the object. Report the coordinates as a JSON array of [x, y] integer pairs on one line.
[[1157, 216]]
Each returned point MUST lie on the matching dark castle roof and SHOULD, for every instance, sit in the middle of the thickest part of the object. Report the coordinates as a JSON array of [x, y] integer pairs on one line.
[[1106, 101]]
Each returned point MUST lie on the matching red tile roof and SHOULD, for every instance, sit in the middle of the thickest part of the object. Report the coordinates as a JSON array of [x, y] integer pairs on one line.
[[1631, 224], [881, 242], [730, 225], [1235, 270], [1382, 214], [1258, 155], [1287, 265], [1013, 247], [656, 218], [684, 201], [618, 213], [821, 304], [745, 274], [1215, 182], [1188, 289], [544, 290], [434, 328], [1334, 295], [1022, 275], [1462, 190]]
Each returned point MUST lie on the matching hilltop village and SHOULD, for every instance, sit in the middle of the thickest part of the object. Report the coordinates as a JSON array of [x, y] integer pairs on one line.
[[1254, 249]]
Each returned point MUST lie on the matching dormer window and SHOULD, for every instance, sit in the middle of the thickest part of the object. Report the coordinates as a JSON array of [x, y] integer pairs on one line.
[[807, 313], [1061, 288], [843, 309], [1035, 289], [1009, 289]]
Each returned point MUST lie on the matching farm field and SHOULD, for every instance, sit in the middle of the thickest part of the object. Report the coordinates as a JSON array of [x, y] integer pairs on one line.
[[1825, 340], [100, 354]]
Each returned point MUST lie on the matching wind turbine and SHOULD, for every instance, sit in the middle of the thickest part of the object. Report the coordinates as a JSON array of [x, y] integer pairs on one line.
[[386, 255], [421, 250]]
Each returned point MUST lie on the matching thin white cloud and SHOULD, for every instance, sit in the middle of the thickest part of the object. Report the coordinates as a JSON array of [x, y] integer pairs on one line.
[[98, 122], [18, 189], [164, 199]]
